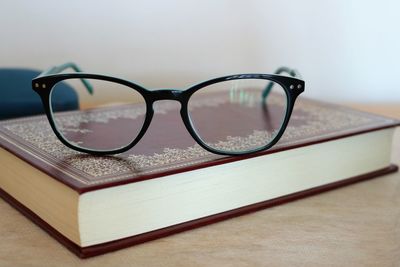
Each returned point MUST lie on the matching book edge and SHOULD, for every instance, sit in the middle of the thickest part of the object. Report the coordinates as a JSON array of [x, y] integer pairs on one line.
[[22, 155], [95, 250]]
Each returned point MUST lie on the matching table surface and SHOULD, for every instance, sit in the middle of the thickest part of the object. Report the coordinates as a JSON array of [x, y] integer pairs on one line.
[[358, 225]]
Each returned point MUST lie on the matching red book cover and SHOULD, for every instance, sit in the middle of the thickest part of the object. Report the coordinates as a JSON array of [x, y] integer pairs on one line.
[[167, 148]]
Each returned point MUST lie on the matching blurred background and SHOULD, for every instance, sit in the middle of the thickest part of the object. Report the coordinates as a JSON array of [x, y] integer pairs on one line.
[[346, 50]]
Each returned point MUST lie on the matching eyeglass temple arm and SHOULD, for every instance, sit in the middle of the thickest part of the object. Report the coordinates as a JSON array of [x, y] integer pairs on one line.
[[60, 68], [291, 72]]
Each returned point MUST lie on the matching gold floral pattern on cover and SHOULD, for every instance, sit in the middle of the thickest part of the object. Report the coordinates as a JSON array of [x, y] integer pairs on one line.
[[317, 120]]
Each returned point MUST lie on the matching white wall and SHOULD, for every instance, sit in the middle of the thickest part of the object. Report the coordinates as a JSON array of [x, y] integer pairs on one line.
[[346, 49]]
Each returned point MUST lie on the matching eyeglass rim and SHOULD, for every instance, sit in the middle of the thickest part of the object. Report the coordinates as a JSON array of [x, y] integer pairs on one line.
[[44, 84]]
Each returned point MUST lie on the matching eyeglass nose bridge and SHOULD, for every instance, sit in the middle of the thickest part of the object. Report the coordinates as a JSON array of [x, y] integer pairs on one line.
[[167, 94]]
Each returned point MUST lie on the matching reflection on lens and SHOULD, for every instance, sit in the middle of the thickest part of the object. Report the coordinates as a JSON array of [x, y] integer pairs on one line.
[[231, 116], [109, 119]]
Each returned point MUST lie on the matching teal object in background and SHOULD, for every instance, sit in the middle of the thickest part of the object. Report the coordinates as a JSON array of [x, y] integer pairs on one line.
[[17, 99]]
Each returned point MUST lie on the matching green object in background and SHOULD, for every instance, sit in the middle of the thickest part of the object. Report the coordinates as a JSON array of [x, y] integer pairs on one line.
[[60, 68], [291, 72]]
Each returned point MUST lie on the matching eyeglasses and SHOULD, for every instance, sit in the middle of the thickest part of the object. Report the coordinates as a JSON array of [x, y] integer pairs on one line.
[[230, 115]]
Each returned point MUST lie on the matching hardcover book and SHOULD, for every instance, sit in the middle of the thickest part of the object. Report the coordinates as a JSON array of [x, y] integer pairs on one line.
[[167, 183]]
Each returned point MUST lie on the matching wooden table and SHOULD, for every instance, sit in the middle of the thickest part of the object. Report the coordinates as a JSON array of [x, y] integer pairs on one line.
[[358, 225]]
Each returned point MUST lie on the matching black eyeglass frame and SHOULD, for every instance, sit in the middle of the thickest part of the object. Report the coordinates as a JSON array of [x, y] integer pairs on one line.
[[44, 83]]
